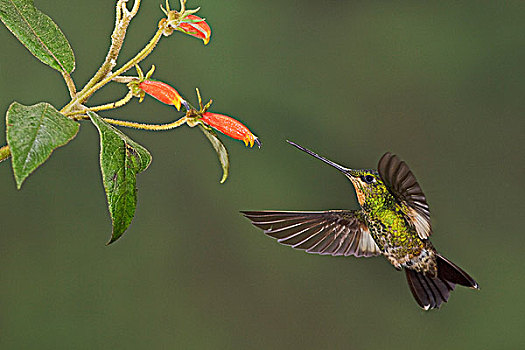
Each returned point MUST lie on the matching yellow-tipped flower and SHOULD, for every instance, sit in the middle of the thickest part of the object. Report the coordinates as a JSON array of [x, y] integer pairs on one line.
[[230, 127], [162, 92]]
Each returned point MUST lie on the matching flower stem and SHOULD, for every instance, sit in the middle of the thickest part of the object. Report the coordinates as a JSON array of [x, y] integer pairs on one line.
[[70, 84], [111, 105], [150, 127], [122, 19], [84, 94]]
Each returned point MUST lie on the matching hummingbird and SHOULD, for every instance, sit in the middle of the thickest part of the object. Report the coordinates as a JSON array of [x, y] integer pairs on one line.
[[394, 221]]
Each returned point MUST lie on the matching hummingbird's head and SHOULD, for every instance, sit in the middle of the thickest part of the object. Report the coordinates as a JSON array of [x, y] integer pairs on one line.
[[368, 185]]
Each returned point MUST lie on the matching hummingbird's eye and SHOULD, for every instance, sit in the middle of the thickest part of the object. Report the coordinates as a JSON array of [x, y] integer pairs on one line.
[[368, 178]]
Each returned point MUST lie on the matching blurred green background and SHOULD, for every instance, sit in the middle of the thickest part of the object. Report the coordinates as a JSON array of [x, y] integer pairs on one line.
[[440, 84]]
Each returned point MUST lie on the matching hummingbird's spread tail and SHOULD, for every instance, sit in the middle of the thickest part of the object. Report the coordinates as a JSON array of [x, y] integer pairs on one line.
[[431, 292]]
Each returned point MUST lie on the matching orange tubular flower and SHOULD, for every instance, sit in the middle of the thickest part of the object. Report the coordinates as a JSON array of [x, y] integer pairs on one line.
[[195, 26], [231, 127], [162, 92]]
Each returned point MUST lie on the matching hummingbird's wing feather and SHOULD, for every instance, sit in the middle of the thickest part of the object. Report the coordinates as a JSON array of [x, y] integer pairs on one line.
[[403, 185], [335, 232]]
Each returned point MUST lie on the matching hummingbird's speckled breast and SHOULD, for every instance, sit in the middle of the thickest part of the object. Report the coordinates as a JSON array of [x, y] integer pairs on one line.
[[399, 242]]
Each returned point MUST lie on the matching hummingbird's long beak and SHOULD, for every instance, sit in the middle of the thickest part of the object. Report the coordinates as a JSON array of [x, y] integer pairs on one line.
[[347, 171]]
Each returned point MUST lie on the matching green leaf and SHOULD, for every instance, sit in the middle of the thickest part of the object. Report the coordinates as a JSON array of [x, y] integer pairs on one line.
[[38, 33], [121, 159], [33, 132], [222, 152]]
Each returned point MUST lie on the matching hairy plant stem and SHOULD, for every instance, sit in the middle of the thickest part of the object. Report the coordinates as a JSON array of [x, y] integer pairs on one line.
[[150, 127], [70, 84], [85, 93], [104, 107], [122, 19], [142, 126]]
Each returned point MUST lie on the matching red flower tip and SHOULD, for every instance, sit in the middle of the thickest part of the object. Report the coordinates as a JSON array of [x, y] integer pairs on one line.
[[230, 127], [195, 26], [162, 92]]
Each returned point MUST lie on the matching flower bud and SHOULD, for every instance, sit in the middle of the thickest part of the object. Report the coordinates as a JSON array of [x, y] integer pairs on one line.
[[195, 26]]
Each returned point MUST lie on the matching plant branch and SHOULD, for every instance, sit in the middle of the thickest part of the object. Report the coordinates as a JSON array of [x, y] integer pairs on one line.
[[123, 79], [115, 104], [142, 126], [122, 19], [149, 127], [106, 106], [84, 94], [70, 84]]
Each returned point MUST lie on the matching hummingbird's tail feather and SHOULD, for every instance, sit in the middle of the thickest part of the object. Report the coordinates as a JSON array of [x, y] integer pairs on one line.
[[452, 273], [430, 292]]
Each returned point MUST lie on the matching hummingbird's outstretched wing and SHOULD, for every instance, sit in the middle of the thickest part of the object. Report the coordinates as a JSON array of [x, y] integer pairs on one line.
[[335, 232], [403, 185]]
